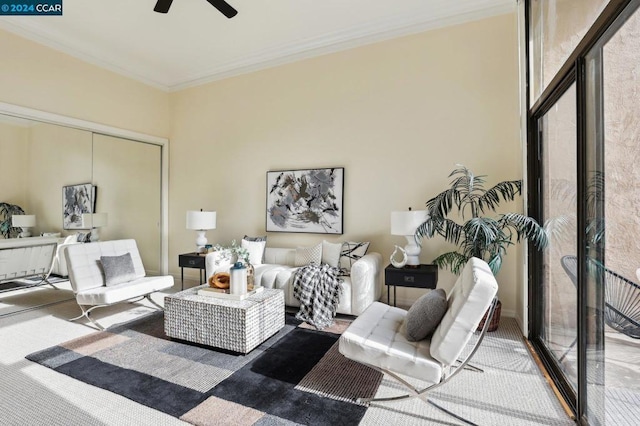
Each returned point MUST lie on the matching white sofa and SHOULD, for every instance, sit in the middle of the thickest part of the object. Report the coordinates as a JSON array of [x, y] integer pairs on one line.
[[359, 290]]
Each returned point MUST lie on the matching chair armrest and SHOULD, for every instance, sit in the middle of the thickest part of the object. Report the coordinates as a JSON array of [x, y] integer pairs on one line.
[[366, 282], [213, 262], [60, 262]]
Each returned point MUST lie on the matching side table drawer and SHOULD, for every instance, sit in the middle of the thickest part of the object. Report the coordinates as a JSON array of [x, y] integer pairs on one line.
[[191, 261], [425, 276]]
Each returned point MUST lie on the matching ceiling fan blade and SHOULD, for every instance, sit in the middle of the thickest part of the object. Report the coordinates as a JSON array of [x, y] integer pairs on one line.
[[224, 8], [162, 6]]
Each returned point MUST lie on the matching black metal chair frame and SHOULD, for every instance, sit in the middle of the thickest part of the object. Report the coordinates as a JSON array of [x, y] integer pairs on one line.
[[621, 297]]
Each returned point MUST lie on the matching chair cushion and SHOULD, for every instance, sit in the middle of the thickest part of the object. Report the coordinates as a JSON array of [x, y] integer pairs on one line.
[[374, 338], [468, 300], [124, 291], [83, 263], [425, 315], [117, 269]]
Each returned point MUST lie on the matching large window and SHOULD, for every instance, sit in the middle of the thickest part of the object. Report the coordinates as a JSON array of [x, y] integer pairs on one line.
[[556, 28], [583, 156], [559, 184]]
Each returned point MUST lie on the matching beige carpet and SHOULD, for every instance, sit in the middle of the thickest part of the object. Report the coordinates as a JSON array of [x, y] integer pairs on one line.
[[510, 392], [20, 299]]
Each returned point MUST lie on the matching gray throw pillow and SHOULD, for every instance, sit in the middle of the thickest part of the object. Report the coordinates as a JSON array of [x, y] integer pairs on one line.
[[118, 269], [425, 315]]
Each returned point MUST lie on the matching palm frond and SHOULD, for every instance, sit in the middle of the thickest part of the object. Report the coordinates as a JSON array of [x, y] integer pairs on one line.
[[495, 263], [484, 237], [528, 228], [480, 231], [452, 260], [442, 204], [595, 194], [7, 210], [452, 231], [470, 188], [429, 228], [507, 191], [559, 228]]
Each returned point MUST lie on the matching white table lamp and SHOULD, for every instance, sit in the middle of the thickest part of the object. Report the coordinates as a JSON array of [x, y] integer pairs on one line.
[[405, 223], [24, 221], [94, 221], [201, 222]]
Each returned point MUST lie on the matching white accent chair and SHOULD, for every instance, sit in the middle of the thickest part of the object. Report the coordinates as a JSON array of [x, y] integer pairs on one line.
[[88, 282], [375, 337], [60, 261], [26, 258]]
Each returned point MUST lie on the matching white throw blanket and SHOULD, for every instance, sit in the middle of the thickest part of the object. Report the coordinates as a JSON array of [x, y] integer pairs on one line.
[[318, 289]]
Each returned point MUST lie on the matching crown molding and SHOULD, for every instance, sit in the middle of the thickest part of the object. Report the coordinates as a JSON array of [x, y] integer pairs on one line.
[[279, 55], [28, 30], [337, 42]]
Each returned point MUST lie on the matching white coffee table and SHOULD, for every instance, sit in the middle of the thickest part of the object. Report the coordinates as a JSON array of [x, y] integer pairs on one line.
[[235, 325]]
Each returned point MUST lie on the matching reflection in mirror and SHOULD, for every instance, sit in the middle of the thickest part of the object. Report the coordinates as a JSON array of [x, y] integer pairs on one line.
[[43, 158], [125, 176]]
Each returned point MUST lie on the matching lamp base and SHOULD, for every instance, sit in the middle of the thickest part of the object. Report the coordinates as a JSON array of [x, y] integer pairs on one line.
[[95, 235], [413, 252], [201, 241], [26, 232]]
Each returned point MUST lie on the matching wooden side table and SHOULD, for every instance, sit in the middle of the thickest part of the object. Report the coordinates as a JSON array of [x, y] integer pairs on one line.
[[192, 260], [423, 276]]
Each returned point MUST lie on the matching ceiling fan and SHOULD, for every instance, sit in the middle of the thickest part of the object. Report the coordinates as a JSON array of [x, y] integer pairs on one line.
[[162, 6]]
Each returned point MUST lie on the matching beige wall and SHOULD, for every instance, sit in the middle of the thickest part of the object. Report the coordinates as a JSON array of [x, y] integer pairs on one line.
[[58, 156], [398, 115], [13, 152], [35, 76], [127, 175]]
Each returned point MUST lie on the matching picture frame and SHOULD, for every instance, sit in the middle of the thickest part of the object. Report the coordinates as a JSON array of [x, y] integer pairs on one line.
[[76, 200], [305, 201]]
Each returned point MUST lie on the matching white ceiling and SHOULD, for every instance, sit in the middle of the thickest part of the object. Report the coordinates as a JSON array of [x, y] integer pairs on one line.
[[194, 43]]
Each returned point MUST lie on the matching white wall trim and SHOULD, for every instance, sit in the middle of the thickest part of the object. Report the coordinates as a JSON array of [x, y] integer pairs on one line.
[[522, 315], [52, 118], [339, 41], [451, 14]]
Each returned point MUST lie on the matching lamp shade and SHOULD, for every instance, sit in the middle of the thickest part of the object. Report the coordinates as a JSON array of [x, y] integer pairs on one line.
[[23, 220], [200, 220], [406, 222], [94, 220]]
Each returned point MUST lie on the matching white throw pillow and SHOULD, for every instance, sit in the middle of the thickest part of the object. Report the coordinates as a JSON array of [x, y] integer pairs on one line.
[[331, 253], [307, 255], [351, 253], [255, 249]]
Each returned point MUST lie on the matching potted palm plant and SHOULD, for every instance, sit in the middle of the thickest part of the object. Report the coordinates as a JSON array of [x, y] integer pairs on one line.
[[478, 235], [6, 211]]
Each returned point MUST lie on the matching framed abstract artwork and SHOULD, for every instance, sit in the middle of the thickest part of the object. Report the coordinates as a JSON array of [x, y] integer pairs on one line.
[[309, 200], [76, 200]]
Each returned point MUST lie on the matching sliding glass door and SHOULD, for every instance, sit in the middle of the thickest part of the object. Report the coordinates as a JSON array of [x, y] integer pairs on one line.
[[583, 156], [558, 180]]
